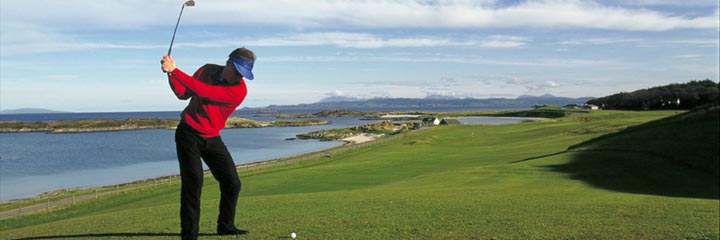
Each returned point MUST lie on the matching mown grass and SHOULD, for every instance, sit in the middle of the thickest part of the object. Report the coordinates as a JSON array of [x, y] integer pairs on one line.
[[513, 181]]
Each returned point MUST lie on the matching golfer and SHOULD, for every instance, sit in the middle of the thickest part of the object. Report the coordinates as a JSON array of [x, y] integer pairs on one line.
[[214, 92]]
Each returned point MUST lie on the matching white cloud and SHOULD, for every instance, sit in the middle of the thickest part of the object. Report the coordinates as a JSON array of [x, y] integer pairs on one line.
[[670, 2], [335, 93], [478, 60], [503, 41], [600, 41], [395, 83], [379, 94], [79, 14], [541, 87], [552, 84], [364, 40], [696, 42], [516, 81], [352, 40], [443, 94], [27, 39], [132, 14], [355, 94], [472, 36], [689, 56], [82, 96]]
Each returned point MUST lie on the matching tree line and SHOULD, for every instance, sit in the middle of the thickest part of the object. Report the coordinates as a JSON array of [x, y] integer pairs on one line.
[[673, 96]]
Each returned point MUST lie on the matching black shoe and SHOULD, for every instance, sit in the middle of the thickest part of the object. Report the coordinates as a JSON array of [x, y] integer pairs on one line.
[[233, 231]]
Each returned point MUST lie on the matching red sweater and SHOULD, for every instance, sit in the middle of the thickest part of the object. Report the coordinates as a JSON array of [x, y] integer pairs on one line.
[[211, 103]]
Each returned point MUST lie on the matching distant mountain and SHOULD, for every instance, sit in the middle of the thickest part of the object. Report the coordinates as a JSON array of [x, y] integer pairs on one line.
[[544, 96], [552, 99], [438, 96], [430, 104], [29, 111], [340, 99]]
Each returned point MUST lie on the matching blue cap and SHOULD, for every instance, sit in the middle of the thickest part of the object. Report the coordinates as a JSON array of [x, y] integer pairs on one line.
[[244, 67]]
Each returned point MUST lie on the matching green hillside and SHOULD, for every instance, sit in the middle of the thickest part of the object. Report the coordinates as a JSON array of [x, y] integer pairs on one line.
[[687, 95], [676, 156], [515, 181]]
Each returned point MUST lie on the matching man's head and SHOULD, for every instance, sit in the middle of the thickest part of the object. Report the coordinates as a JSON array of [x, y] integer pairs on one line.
[[243, 60]]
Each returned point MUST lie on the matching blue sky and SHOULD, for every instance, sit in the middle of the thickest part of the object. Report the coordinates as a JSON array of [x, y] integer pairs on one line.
[[98, 56]]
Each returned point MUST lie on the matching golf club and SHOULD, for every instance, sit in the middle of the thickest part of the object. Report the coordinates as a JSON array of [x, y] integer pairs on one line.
[[188, 3]]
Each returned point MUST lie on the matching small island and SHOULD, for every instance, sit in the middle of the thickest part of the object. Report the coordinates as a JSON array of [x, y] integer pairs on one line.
[[104, 125], [360, 133]]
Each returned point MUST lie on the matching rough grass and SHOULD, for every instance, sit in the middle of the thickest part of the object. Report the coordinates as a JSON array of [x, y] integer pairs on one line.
[[513, 181]]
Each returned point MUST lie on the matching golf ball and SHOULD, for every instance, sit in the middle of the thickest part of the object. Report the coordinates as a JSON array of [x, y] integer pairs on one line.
[[293, 235]]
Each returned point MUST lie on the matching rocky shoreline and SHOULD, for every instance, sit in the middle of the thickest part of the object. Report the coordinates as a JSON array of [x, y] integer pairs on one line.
[[378, 129], [105, 125]]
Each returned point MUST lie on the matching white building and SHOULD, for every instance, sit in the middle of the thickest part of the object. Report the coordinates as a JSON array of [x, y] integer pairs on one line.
[[591, 107]]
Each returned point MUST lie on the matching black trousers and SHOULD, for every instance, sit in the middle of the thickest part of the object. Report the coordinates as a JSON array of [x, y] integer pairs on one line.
[[191, 147]]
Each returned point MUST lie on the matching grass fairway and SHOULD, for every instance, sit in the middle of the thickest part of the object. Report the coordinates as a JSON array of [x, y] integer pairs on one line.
[[516, 181]]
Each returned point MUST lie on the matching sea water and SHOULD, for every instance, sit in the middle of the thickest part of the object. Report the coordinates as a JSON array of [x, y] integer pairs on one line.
[[37, 162]]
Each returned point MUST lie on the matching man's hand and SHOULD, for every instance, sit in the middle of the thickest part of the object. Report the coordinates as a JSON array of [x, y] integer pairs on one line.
[[168, 63]]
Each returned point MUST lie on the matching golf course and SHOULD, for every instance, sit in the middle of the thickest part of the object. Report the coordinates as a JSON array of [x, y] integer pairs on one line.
[[589, 175]]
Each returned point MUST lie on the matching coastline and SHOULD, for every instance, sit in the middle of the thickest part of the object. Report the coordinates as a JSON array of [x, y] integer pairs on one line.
[[109, 125], [351, 142], [357, 138], [61, 197], [348, 145]]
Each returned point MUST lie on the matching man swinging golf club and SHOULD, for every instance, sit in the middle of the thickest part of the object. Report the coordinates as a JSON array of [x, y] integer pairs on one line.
[[214, 92]]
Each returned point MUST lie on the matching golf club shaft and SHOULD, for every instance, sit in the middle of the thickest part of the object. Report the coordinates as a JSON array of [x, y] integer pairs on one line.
[[175, 31], [176, 27]]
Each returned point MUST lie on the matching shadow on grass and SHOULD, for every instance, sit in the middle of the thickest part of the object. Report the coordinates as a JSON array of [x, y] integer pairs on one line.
[[676, 157], [541, 156], [107, 235], [638, 172]]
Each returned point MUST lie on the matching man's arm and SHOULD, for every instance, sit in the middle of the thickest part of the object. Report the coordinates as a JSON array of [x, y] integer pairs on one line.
[[222, 94], [168, 65], [217, 93], [181, 92]]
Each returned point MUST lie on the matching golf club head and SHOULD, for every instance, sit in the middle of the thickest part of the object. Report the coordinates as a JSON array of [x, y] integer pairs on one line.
[[190, 3]]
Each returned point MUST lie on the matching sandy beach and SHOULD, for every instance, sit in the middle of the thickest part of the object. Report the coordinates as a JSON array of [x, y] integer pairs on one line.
[[365, 137]]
